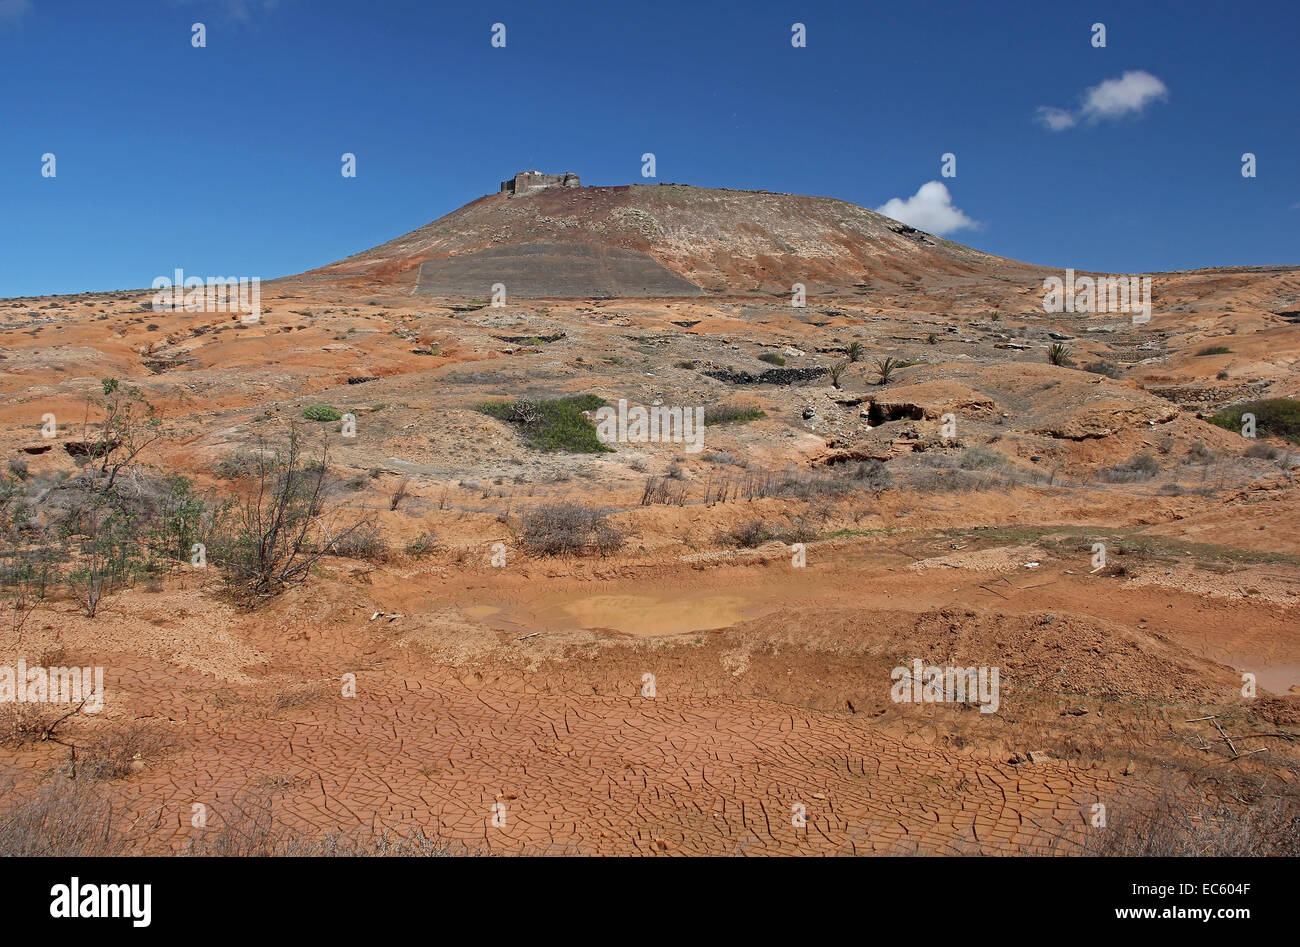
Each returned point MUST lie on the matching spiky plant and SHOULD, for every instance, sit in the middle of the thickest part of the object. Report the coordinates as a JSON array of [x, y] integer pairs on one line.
[[885, 368], [1059, 354]]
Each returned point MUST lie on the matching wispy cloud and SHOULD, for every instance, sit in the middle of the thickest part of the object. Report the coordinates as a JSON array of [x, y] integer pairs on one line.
[[1130, 94], [12, 10], [1056, 119], [929, 209]]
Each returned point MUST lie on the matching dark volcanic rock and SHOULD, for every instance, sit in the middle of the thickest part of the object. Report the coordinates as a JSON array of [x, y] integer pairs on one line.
[[553, 270]]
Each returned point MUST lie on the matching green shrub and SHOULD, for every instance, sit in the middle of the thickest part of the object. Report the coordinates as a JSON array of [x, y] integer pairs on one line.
[[1275, 417], [553, 423], [732, 414], [321, 412], [772, 359], [1214, 350]]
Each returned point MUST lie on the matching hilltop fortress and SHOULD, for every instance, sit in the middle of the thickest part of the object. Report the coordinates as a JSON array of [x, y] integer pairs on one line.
[[529, 182]]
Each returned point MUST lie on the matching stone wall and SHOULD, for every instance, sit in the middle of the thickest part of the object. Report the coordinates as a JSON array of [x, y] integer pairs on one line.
[[528, 182]]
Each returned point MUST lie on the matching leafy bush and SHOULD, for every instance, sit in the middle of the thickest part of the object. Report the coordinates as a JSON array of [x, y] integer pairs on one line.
[[732, 414], [321, 412], [1275, 417], [772, 359], [554, 423], [108, 553], [1214, 350]]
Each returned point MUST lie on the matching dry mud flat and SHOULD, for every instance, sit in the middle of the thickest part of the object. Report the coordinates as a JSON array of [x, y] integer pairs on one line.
[[455, 725], [505, 709]]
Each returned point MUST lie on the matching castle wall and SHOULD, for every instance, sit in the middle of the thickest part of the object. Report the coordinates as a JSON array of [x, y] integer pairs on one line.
[[526, 182]]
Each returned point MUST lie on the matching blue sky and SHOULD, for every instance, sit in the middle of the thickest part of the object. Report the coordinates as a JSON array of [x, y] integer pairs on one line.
[[225, 160]]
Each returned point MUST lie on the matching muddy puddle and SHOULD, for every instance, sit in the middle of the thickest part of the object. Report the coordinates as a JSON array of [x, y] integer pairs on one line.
[[644, 615]]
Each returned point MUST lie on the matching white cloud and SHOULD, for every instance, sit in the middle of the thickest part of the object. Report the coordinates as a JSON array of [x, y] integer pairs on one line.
[[13, 9], [1130, 94], [929, 209], [1056, 119]]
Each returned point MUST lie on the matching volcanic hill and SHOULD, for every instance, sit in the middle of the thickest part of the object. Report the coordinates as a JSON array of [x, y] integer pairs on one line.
[[648, 241]]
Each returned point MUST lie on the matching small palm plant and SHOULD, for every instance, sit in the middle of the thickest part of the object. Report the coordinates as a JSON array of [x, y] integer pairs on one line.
[[885, 369], [1059, 354], [854, 351], [837, 370]]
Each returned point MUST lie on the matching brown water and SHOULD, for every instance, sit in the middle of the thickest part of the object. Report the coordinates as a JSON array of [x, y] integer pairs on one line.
[[645, 615]]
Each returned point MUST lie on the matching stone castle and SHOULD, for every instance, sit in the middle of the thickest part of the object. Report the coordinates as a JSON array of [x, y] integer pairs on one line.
[[529, 182]]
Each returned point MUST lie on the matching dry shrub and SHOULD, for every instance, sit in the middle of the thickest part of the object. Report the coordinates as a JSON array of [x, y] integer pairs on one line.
[[749, 535], [279, 528], [63, 818], [659, 490], [569, 529], [426, 544], [1137, 468], [23, 724], [120, 752], [365, 541], [755, 533], [1176, 826], [249, 830]]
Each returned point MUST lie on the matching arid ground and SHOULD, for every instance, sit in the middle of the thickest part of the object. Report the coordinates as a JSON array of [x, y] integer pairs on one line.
[[706, 668]]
